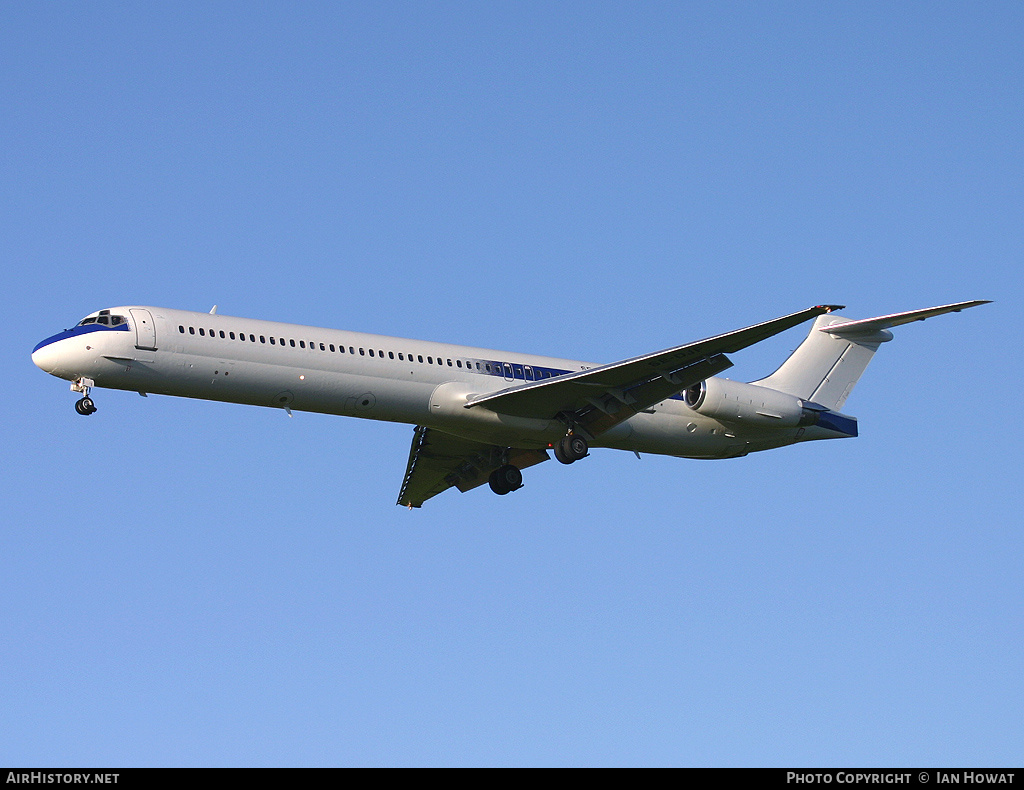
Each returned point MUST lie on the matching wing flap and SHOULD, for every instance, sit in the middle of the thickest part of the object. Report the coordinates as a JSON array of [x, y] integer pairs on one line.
[[438, 461]]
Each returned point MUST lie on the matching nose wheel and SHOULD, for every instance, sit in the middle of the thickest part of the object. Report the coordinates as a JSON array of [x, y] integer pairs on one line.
[[85, 406]]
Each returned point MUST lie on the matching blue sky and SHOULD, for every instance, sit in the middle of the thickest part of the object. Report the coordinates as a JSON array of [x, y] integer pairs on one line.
[[191, 583]]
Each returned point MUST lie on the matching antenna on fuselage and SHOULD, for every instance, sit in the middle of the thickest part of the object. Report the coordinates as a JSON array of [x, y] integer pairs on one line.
[[213, 311]]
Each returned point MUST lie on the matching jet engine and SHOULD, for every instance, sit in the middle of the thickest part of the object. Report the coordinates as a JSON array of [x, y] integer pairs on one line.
[[749, 404]]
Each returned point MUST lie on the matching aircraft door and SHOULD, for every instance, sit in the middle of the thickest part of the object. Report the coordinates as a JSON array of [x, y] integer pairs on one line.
[[145, 329]]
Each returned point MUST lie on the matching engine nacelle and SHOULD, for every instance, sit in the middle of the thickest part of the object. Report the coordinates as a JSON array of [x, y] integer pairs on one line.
[[749, 404]]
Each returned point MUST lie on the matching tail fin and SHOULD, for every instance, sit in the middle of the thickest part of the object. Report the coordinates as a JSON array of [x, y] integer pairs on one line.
[[827, 365]]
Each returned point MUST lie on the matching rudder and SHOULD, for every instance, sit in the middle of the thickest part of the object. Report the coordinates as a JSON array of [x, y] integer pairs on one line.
[[825, 367]]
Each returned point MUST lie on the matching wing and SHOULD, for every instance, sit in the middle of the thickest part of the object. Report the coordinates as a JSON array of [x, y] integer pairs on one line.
[[438, 461], [602, 397]]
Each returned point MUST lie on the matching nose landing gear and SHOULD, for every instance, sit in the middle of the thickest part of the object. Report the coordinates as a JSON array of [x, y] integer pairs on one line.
[[84, 405]]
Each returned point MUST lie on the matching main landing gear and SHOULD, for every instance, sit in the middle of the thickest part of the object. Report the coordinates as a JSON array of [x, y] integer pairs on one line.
[[505, 479], [571, 448]]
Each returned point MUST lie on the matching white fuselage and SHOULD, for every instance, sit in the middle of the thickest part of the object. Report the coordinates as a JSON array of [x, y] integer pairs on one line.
[[301, 368]]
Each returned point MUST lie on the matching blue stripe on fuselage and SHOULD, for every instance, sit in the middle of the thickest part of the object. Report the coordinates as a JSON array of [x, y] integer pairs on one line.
[[496, 368], [80, 330]]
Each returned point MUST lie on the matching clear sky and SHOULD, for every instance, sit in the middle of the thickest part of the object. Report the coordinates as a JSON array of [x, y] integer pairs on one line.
[[192, 583]]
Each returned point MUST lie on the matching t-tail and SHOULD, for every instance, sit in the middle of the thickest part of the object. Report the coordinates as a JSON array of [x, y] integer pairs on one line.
[[825, 368]]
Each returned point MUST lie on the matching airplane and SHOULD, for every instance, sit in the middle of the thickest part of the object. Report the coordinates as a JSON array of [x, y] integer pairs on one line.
[[482, 416]]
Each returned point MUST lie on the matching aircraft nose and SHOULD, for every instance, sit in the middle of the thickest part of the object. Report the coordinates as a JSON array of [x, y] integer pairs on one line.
[[45, 358], [47, 355]]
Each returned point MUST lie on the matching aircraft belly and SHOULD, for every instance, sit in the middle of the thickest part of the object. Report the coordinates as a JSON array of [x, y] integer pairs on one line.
[[691, 436], [369, 397], [177, 373]]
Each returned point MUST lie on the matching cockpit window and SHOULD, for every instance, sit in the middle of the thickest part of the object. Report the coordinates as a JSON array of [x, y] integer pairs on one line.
[[105, 319]]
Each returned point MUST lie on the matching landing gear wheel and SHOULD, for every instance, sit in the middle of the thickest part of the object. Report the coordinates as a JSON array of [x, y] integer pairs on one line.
[[571, 448], [85, 406], [505, 479]]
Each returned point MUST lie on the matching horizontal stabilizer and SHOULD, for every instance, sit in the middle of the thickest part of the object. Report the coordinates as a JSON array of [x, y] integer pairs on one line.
[[868, 325]]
